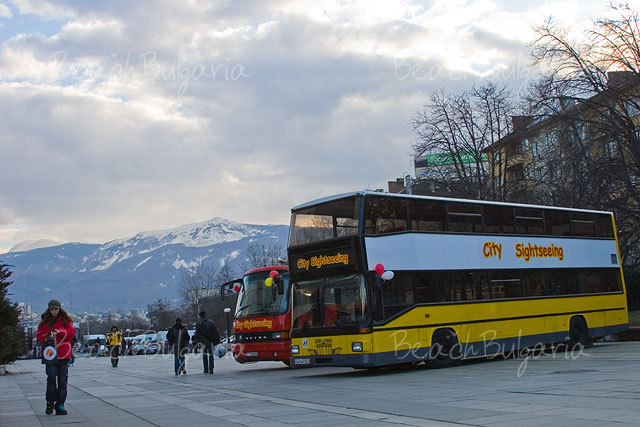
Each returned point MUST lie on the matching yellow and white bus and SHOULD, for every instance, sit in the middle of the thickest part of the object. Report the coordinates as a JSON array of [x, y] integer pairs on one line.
[[381, 279]]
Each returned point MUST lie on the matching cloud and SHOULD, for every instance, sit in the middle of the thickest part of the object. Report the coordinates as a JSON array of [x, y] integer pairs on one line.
[[5, 12], [147, 115]]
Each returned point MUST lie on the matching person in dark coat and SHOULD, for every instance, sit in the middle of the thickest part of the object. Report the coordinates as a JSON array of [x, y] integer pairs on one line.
[[207, 337], [178, 339]]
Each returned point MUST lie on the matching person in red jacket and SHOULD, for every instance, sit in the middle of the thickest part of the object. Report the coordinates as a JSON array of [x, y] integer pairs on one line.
[[57, 323]]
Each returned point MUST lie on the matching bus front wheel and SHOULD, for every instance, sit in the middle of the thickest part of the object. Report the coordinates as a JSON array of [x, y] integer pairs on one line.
[[444, 349]]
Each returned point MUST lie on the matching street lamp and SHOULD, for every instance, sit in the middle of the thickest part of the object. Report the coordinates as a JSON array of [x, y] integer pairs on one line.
[[227, 311]]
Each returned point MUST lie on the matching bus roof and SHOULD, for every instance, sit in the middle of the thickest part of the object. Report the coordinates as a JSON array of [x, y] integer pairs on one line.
[[444, 199], [268, 268]]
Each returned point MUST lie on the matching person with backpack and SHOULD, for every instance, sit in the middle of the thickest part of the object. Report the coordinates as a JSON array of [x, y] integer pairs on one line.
[[178, 339], [207, 337], [55, 332]]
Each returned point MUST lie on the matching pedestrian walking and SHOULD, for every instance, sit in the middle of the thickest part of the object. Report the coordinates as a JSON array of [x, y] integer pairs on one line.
[[55, 331], [207, 337], [178, 339], [114, 341]]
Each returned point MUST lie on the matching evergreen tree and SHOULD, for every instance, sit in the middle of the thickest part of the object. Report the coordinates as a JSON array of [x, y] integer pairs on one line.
[[11, 333]]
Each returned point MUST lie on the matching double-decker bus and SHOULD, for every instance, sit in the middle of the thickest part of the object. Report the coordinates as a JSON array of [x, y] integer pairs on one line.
[[262, 320], [381, 279]]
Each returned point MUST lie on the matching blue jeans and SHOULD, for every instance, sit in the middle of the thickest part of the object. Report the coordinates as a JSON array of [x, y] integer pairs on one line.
[[207, 357], [179, 364], [57, 375]]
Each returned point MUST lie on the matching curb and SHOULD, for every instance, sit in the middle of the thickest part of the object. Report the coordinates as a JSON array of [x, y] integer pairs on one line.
[[631, 334]]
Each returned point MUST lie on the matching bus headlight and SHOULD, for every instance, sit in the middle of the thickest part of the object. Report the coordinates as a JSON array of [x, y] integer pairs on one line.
[[356, 346], [295, 349], [280, 335]]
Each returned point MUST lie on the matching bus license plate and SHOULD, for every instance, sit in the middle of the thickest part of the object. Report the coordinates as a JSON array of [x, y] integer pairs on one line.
[[252, 354], [302, 361]]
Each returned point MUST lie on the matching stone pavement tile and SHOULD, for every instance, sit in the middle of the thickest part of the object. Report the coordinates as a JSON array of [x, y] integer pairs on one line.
[[250, 420], [19, 420], [134, 402], [340, 420], [274, 411]]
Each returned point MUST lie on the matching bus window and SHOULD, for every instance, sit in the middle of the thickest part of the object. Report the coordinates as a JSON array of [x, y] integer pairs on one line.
[[505, 284], [306, 302], [534, 283], [398, 293], [481, 285], [589, 281], [464, 218], [604, 226], [582, 225], [498, 219], [426, 215], [529, 221], [464, 286], [385, 215], [564, 282], [324, 222], [430, 289], [557, 223], [611, 280]]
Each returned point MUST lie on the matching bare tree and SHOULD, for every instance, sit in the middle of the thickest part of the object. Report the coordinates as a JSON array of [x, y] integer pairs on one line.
[[195, 285], [161, 314], [459, 128], [593, 87], [263, 256]]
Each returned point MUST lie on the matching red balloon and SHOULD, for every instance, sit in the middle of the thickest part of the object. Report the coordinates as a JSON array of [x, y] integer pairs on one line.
[[379, 269], [273, 273]]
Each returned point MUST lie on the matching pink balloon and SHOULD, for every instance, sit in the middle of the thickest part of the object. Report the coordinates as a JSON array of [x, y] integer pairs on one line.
[[379, 269], [273, 273]]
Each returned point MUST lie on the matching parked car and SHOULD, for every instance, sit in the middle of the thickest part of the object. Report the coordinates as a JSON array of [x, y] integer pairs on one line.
[[152, 348], [89, 344], [141, 342], [161, 339]]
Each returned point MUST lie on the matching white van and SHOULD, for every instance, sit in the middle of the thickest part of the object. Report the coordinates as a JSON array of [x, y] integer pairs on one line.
[[161, 338], [88, 344]]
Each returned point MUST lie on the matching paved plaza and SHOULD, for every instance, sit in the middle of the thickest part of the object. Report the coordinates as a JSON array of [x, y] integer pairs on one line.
[[600, 387]]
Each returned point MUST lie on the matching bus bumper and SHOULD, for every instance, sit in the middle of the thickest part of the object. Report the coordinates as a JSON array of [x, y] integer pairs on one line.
[[350, 360], [257, 351]]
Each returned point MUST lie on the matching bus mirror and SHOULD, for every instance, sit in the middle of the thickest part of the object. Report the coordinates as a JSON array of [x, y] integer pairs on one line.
[[279, 284], [230, 287]]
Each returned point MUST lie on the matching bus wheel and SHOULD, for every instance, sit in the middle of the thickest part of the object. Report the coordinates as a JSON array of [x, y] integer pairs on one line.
[[444, 349], [578, 333]]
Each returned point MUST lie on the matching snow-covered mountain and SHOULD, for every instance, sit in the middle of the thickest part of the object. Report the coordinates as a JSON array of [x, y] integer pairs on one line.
[[132, 272], [28, 245]]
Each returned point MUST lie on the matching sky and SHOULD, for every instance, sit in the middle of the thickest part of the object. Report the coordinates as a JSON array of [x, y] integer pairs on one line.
[[118, 117]]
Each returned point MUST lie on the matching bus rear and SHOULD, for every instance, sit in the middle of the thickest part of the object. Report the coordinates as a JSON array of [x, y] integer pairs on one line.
[[262, 322]]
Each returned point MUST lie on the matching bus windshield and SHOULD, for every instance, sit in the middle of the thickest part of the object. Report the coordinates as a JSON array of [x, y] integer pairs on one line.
[[329, 303], [256, 299], [325, 221]]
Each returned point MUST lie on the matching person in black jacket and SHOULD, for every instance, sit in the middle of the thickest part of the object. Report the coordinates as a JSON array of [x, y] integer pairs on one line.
[[178, 339], [207, 337]]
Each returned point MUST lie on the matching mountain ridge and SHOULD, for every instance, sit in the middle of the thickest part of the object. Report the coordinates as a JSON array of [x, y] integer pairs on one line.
[[135, 271]]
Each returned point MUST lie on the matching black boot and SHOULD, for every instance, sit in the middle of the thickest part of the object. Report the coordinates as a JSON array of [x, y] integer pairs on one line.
[[49, 409]]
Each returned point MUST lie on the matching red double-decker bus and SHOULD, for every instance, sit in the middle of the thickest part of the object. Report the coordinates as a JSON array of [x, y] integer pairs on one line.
[[262, 322]]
